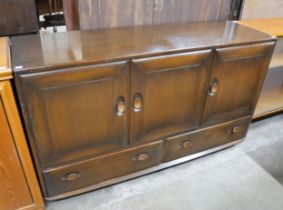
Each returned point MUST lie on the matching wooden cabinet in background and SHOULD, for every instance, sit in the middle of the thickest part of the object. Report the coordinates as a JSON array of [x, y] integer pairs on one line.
[[124, 102], [271, 97], [19, 187], [18, 17]]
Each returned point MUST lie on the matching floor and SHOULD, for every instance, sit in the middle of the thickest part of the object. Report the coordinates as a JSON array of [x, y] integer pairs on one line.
[[248, 176]]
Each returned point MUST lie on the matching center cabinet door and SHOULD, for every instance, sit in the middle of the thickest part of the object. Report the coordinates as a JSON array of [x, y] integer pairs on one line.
[[76, 113], [167, 94]]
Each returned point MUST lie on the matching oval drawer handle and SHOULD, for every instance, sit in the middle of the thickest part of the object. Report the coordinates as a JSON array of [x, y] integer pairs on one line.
[[141, 157], [71, 176], [186, 144], [214, 87], [137, 102], [236, 129], [120, 106]]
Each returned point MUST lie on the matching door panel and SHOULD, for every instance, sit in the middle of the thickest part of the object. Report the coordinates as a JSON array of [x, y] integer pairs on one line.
[[236, 80], [73, 113], [167, 94]]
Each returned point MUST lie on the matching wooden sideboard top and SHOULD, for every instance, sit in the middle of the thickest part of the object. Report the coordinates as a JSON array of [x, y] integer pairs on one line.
[[49, 51], [5, 67], [272, 26]]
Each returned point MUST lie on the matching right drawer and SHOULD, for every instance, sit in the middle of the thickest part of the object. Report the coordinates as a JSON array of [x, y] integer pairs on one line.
[[197, 141]]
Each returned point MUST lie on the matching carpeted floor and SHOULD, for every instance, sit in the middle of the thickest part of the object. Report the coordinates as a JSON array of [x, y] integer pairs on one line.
[[248, 176]]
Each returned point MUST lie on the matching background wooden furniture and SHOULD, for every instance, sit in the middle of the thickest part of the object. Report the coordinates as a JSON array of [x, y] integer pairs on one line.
[[272, 26], [271, 98], [118, 101], [49, 6], [18, 17], [19, 187], [71, 14]]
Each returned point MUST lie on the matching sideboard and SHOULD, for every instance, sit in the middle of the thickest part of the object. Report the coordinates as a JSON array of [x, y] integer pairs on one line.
[[106, 105]]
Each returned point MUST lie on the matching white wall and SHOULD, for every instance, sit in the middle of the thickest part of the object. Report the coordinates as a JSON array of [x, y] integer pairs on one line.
[[253, 9]]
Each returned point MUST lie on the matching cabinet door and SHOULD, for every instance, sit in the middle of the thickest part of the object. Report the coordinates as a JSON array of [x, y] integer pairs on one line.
[[167, 94], [236, 80], [76, 113]]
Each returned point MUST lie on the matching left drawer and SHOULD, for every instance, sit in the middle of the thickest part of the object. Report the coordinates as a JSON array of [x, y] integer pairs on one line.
[[93, 171]]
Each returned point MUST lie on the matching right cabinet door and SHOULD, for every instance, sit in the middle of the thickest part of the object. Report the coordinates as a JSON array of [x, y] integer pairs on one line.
[[236, 80]]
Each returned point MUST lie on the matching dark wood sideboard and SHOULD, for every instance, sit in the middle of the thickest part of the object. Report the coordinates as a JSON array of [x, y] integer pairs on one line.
[[106, 105]]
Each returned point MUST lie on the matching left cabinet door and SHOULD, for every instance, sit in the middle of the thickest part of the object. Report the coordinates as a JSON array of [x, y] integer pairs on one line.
[[76, 113]]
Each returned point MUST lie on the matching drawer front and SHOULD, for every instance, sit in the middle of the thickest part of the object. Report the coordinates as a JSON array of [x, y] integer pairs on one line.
[[96, 170], [193, 142]]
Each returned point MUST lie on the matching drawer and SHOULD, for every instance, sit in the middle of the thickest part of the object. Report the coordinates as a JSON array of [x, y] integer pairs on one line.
[[93, 171], [197, 141]]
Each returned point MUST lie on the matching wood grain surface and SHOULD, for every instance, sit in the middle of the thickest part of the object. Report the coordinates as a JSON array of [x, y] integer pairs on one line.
[[162, 78], [5, 63], [162, 82], [94, 122], [237, 94], [14, 192], [19, 185], [271, 97], [193, 142], [103, 45], [272, 26]]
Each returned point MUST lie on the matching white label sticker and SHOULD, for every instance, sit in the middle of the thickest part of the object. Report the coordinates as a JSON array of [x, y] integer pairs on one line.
[[18, 67]]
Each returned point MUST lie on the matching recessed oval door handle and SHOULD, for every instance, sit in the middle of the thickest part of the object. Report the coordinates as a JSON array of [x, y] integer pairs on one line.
[[236, 129], [213, 89], [138, 102], [120, 106], [187, 144], [141, 157], [72, 176]]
